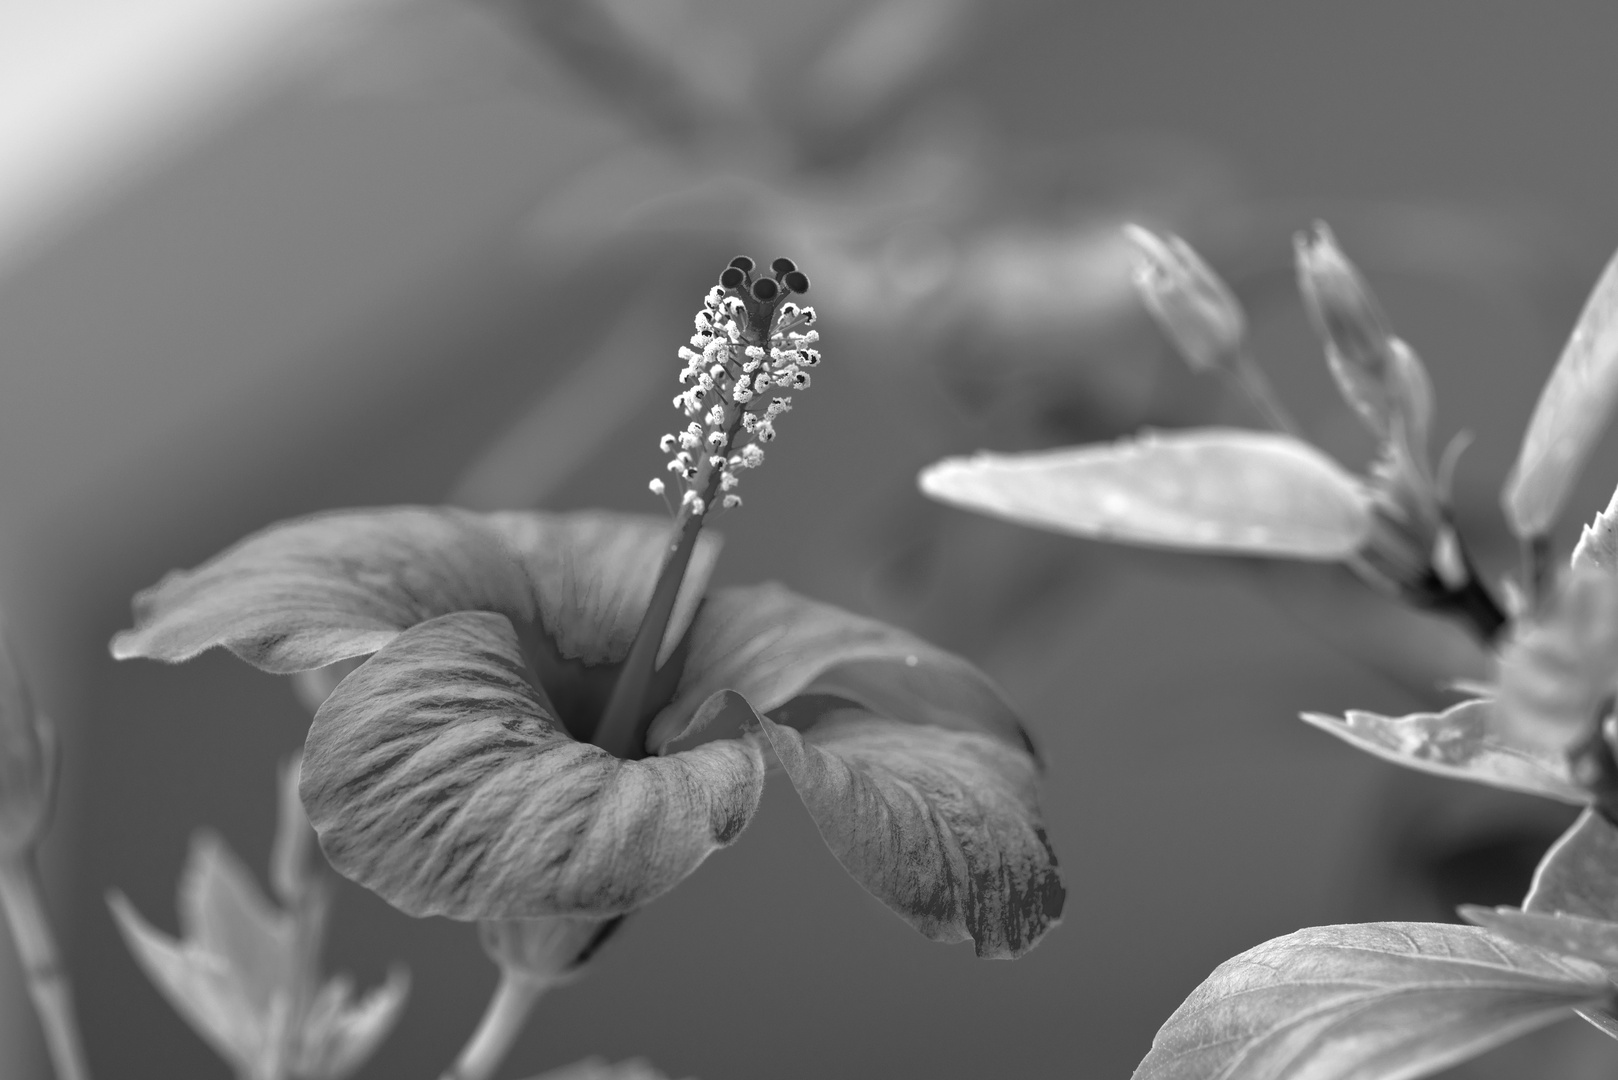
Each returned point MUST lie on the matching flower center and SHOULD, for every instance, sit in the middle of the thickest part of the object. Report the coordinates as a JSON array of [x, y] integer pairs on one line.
[[750, 340]]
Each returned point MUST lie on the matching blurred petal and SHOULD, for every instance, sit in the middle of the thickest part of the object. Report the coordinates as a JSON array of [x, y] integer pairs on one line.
[[1558, 671], [1573, 411], [224, 914], [594, 572], [198, 985], [600, 1069], [1463, 743], [306, 593], [770, 645], [436, 778], [1211, 489], [338, 1036], [941, 826]]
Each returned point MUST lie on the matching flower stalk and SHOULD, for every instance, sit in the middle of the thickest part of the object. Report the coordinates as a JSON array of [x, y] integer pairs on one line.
[[22, 897], [507, 1012]]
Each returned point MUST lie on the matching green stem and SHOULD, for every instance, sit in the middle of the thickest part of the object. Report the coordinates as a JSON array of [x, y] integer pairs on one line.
[[23, 899], [508, 1011], [1253, 382]]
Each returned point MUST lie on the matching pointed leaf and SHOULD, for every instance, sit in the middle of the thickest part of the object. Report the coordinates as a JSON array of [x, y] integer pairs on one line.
[[309, 592], [1579, 877], [1597, 548], [1463, 743], [771, 645], [1579, 874], [198, 985], [1573, 411], [339, 1034], [436, 778], [1211, 489], [941, 826], [223, 913], [1595, 940], [1375, 1001]]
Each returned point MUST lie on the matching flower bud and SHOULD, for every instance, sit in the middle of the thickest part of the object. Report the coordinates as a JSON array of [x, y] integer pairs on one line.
[[547, 950], [1190, 303], [1378, 374], [27, 762]]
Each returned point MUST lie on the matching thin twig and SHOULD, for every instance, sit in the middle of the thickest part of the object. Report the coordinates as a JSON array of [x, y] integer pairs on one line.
[[508, 1011], [23, 899], [1256, 385]]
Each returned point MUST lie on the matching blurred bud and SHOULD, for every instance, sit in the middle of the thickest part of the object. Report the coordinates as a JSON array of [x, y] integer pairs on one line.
[[1190, 303], [1559, 672], [1573, 411], [27, 762], [1379, 376], [547, 950]]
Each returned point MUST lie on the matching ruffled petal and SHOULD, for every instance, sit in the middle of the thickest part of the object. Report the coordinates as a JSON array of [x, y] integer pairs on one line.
[[770, 645], [941, 826], [593, 573], [436, 778], [305, 593]]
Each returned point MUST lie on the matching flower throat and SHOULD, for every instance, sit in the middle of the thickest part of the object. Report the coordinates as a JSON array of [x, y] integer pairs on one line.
[[750, 341]]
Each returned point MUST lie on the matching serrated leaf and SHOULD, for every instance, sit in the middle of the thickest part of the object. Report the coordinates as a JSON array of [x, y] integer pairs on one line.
[[941, 826], [1209, 489], [1597, 548], [1373, 1001], [1463, 743], [1573, 411]]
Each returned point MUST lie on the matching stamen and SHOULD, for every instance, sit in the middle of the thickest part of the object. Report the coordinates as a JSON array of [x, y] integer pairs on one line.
[[750, 327]]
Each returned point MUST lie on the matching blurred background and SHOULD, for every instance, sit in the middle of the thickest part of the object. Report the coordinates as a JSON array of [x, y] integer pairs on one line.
[[273, 256]]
